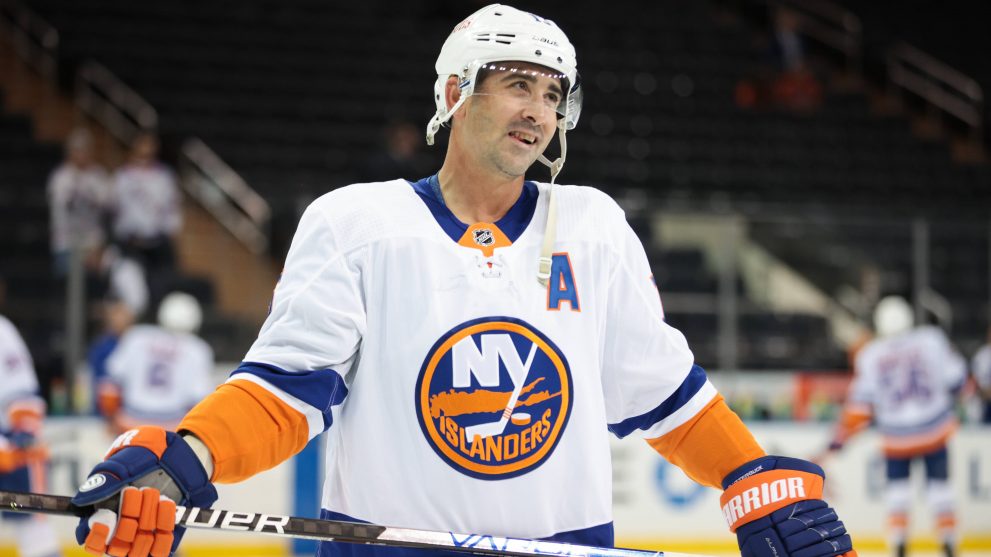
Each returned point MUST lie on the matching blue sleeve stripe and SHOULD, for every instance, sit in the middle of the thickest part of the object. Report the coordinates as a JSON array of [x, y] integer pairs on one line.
[[694, 381], [322, 389]]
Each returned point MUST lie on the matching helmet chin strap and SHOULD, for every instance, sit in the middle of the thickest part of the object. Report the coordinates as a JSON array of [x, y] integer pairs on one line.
[[437, 121], [550, 229]]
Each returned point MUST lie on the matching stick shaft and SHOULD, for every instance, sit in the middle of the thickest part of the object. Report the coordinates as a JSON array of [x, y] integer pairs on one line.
[[336, 530]]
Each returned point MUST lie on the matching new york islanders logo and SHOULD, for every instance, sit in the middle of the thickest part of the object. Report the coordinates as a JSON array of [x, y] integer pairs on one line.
[[493, 397]]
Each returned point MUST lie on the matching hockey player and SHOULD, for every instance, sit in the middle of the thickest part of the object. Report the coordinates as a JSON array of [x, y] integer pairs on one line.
[[465, 340], [158, 373], [981, 368], [907, 380], [22, 456]]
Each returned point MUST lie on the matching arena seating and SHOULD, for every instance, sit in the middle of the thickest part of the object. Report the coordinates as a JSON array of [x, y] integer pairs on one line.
[[31, 299], [294, 95]]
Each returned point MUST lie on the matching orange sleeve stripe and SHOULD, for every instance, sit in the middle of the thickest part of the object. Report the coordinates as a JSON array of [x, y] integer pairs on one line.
[[27, 414], [108, 399], [710, 445], [247, 429], [855, 418]]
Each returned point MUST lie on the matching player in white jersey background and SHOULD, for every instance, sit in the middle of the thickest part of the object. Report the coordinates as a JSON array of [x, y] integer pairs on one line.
[[22, 454], [468, 341], [981, 369], [907, 380], [158, 372]]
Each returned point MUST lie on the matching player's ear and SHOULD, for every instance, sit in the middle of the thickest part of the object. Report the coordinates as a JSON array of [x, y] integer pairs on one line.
[[451, 91]]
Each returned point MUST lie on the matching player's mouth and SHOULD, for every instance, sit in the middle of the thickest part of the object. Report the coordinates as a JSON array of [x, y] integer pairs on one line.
[[523, 137]]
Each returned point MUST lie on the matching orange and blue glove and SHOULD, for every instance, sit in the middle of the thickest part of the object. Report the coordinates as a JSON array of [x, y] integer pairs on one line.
[[774, 505], [134, 491]]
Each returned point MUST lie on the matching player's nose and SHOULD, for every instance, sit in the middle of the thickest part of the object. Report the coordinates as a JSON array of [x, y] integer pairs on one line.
[[534, 112]]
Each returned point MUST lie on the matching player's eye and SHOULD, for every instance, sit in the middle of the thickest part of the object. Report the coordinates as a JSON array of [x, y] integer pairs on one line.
[[521, 85]]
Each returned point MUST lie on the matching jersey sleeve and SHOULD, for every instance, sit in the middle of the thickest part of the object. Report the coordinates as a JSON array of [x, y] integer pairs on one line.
[[981, 367], [950, 361], [859, 406], [292, 378], [120, 365], [863, 389], [20, 406], [653, 386], [120, 359], [650, 381]]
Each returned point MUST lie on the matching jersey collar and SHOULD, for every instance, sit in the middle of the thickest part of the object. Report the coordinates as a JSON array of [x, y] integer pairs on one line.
[[512, 224]]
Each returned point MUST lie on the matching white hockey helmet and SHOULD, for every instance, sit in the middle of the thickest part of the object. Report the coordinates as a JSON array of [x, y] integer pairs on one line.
[[893, 315], [498, 33], [180, 312]]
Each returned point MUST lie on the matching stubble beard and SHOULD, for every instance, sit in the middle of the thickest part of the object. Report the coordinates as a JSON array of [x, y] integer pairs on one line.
[[497, 155], [511, 167]]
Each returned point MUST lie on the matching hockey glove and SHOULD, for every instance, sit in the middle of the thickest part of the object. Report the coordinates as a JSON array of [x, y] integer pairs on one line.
[[25, 417], [22, 439], [774, 505], [11, 458], [141, 522]]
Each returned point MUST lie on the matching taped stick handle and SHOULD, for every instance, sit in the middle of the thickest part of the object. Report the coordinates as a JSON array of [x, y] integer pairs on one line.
[[337, 530]]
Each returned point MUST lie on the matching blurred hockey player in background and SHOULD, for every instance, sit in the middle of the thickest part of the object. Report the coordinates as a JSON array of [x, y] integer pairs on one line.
[[907, 379], [157, 373], [117, 317], [981, 369], [23, 457], [467, 340]]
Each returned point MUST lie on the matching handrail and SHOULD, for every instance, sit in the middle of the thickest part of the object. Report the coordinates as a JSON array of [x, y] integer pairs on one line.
[[828, 23], [102, 95], [204, 175], [938, 84], [939, 306], [34, 39], [225, 194]]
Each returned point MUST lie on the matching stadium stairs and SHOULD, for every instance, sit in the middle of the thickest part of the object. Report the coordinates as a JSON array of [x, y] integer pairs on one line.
[[232, 285]]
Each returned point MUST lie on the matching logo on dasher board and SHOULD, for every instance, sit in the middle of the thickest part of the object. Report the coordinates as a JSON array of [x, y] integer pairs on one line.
[[493, 397]]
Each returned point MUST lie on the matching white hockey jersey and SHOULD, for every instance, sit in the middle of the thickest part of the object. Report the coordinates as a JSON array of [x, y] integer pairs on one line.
[[908, 380], [147, 202], [459, 393], [160, 374], [18, 382], [79, 198], [981, 367]]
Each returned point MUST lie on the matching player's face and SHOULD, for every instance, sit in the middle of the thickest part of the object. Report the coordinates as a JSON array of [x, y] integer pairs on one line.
[[512, 117]]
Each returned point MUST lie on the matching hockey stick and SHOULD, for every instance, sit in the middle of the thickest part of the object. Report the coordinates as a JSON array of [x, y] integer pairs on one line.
[[336, 530], [498, 426]]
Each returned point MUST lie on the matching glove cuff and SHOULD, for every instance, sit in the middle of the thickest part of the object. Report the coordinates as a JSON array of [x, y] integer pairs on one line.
[[771, 462], [182, 464], [767, 484]]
